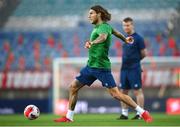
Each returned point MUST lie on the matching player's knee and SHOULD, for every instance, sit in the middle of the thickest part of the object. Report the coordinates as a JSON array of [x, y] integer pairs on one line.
[[124, 91], [115, 94], [138, 92], [73, 87]]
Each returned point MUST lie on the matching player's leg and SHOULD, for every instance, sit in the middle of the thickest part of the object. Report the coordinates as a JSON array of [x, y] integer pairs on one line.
[[85, 78], [134, 79], [73, 96], [128, 100], [140, 101], [124, 107], [139, 97], [115, 93], [108, 81], [73, 93], [124, 86]]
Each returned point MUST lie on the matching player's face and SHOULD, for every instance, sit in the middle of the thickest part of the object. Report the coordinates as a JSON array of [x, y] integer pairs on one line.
[[92, 16], [128, 27]]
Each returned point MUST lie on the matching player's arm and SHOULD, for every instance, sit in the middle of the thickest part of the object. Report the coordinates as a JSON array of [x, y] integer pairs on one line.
[[142, 48], [118, 35], [101, 38], [121, 36], [143, 53]]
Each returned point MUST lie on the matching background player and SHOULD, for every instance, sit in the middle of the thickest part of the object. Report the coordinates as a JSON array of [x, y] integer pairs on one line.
[[131, 68], [98, 65]]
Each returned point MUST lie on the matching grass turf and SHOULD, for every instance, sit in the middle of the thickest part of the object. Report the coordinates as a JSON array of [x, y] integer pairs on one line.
[[89, 120]]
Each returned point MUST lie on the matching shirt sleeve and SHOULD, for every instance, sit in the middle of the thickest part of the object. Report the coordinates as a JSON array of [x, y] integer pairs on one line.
[[141, 43], [104, 29]]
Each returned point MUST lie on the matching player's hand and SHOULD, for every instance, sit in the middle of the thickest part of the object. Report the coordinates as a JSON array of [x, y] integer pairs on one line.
[[129, 39], [87, 44]]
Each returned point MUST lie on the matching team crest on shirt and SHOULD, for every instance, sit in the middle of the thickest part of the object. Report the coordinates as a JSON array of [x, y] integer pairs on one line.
[[131, 42]]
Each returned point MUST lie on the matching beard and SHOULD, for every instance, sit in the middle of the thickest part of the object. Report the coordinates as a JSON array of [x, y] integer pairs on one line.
[[95, 21]]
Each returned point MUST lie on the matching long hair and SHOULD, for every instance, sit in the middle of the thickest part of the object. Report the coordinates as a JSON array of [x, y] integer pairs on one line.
[[105, 15]]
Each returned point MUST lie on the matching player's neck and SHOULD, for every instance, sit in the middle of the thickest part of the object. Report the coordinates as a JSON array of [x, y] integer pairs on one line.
[[132, 32], [99, 22]]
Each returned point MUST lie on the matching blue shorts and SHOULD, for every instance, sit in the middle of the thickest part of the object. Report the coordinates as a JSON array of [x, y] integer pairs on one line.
[[88, 75], [130, 79]]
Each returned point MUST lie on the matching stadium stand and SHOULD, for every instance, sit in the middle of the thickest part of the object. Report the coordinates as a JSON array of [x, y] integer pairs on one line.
[[35, 49], [31, 48], [63, 7]]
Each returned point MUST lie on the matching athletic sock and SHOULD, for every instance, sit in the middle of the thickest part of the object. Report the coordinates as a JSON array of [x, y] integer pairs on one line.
[[137, 113], [70, 114], [124, 112], [139, 110]]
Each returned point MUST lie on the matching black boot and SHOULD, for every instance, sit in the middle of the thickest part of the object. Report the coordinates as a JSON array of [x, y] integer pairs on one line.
[[136, 117], [122, 117]]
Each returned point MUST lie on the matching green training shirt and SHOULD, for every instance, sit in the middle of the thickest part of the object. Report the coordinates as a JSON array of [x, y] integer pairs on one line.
[[98, 53]]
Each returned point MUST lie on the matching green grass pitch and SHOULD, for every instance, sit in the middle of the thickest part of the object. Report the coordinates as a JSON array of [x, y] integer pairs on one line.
[[89, 120]]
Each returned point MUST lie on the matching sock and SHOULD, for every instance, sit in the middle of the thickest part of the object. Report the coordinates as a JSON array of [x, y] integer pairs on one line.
[[137, 113], [70, 114], [124, 112], [139, 110]]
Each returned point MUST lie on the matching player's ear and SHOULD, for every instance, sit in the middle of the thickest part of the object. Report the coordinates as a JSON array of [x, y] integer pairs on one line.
[[132, 25], [99, 14]]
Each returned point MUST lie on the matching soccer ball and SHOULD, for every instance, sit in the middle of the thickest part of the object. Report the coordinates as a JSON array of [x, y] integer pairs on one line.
[[31, 112]]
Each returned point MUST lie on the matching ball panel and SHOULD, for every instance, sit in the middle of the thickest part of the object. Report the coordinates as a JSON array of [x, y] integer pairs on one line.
[[28, 111], [33, 116]]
